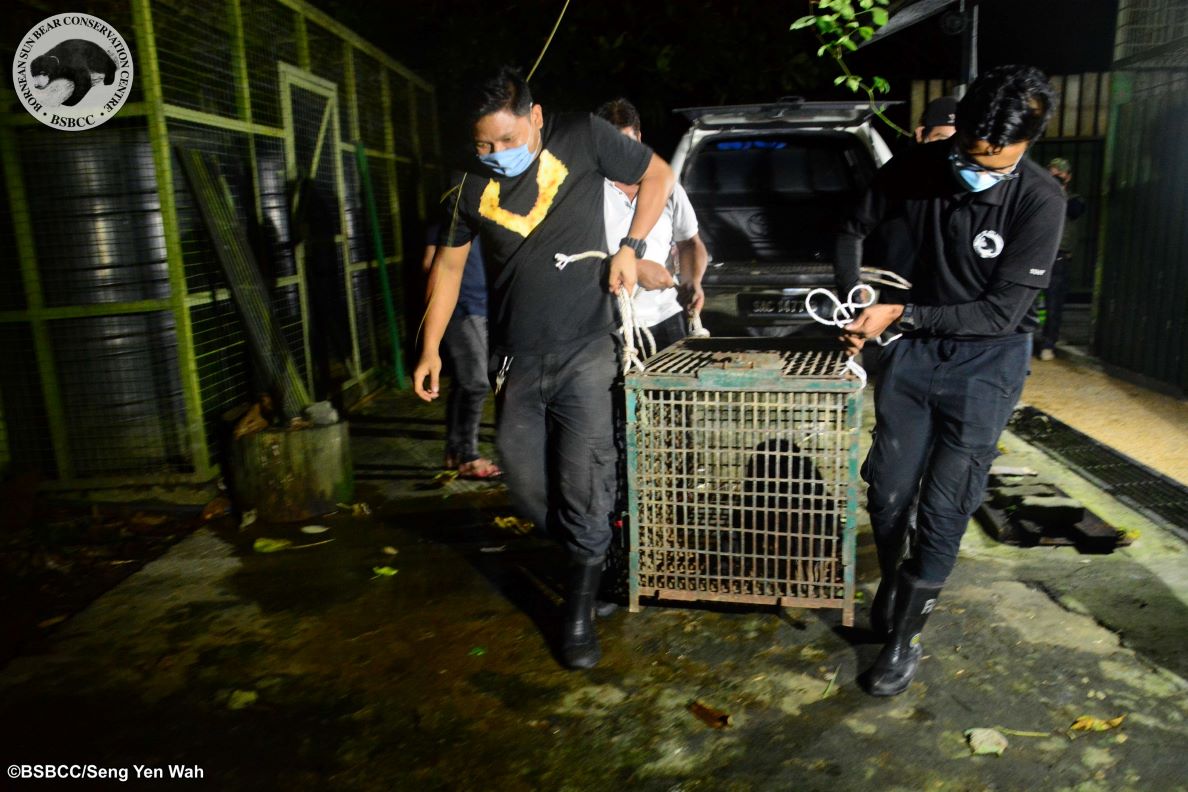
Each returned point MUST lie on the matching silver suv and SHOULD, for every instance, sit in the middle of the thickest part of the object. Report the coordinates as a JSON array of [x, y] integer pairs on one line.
[[770, 183]]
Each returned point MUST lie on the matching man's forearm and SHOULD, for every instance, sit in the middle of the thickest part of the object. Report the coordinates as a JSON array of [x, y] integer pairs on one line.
[[692, 259], [445, 282], [998, 312], [654, 189], [847, 263]]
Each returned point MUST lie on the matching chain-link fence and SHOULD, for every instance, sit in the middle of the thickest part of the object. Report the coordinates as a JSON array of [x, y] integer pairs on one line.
[[123, 351]]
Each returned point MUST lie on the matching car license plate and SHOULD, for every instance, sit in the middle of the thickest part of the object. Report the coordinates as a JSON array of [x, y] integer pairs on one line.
[[772, 305]]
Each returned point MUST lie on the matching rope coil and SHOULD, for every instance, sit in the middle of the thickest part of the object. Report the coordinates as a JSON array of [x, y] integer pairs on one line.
[[638, 341], [861, 296]]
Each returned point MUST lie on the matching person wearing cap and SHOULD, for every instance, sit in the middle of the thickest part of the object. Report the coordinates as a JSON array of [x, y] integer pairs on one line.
[[1057, 291], [937, 121], [974, 226]]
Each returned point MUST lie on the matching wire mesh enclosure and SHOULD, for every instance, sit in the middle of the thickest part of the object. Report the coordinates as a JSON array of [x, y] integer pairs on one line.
[[126, 350], [742, 467]]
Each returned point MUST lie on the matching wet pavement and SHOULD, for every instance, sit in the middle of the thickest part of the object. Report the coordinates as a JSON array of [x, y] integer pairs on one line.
[[310, 668]]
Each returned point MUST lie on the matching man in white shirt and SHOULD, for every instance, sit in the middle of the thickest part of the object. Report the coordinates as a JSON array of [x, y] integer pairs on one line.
[[662, 304]]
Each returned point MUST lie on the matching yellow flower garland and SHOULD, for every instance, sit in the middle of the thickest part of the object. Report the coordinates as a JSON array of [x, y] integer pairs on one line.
[[549, 177]]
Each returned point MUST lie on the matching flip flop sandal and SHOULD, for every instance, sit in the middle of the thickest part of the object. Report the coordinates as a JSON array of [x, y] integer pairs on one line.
[[473, 471]]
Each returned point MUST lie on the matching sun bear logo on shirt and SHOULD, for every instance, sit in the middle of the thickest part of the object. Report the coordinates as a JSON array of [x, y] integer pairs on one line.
[[988, 244], [550, 175]]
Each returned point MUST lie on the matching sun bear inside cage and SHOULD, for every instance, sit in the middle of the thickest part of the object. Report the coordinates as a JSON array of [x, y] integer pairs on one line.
[[742, 494]]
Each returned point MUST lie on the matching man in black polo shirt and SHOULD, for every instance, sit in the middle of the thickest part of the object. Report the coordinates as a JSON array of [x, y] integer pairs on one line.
[[974, 226], [535, 192]]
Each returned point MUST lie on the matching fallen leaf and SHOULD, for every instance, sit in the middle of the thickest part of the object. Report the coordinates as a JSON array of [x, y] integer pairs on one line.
[[477, 651], [493, 549], [985, 742], [359, 509], [266, 545], [242, 698], [314, 529], [715, 719], [50, 622], [445, 477], [384, 571], [1090, 723], [389, 550], [1018, 733], [832, 680], [247, 519], [311, 544], [218, 507], [513, 524]]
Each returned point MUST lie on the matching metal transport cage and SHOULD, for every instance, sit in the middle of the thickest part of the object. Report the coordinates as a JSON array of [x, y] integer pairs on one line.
[[742, 471]]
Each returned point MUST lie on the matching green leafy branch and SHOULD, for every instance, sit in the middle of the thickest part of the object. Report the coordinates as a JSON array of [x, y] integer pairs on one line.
[[839, 25]]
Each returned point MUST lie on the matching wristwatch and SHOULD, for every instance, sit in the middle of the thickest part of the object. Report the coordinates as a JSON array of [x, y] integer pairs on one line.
[[638, 245], [907, 319]]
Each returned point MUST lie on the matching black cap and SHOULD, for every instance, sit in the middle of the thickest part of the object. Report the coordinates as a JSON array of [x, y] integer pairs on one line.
[[940, 112]]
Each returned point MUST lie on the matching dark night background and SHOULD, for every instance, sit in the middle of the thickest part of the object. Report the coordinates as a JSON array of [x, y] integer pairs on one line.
[[677, 53]]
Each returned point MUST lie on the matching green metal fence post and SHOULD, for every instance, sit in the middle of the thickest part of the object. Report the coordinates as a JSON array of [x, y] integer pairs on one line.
[[163, 165], [34, 302], [385, 285]]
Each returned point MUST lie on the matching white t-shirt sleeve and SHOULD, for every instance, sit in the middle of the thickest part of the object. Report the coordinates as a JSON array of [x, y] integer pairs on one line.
[[684, 220], [616, 213]]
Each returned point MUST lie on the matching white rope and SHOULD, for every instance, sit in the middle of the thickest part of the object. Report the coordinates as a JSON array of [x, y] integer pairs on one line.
[[636, 339], [861, 296], [696, 328], [856, 369], [885, 278]]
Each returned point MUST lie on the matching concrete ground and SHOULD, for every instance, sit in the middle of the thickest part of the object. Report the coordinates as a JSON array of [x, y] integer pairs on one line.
[[1148, 426], [310, 669]]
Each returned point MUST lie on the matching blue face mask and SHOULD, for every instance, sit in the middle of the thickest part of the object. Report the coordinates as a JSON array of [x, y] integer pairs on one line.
[[977, 178], [976, 181], [509, 162]]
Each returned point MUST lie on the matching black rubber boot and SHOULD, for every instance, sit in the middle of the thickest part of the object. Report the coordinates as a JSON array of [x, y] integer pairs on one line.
[[579, 643], [882, 607], [892, 672]]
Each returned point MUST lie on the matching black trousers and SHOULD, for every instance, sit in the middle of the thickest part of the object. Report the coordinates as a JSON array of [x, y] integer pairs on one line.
[[466, 345], [940, 407], [556, 440], [669, 331]]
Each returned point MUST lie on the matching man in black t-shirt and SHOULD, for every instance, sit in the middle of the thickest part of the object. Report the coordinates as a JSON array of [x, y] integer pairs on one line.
[[974, 226], [536, 192]]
